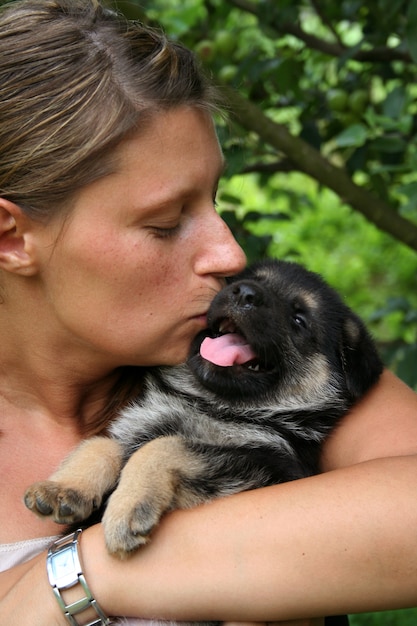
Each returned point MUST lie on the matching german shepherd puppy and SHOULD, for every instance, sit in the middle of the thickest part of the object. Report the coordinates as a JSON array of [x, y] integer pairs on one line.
[[281, 361]]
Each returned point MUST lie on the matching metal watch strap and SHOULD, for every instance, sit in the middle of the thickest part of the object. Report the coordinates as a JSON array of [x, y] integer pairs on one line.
[[65, 571]]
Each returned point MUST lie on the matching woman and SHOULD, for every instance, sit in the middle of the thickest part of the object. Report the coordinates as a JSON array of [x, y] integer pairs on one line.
[[110, 252]]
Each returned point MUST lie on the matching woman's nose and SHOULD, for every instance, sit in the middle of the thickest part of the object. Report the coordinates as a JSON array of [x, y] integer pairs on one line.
[[222, 255]]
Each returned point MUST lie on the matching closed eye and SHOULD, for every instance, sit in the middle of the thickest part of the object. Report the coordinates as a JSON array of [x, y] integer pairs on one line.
[[165, 233]]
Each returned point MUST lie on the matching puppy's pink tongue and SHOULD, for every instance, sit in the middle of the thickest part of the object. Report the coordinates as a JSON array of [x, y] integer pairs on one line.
[[227, 350]]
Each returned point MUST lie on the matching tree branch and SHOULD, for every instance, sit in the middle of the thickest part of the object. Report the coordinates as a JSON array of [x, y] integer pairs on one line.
[[381, 54], [311, 162], [281, 166]]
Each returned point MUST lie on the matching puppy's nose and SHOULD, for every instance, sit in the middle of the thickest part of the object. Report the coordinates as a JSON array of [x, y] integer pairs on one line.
[[246, 295]]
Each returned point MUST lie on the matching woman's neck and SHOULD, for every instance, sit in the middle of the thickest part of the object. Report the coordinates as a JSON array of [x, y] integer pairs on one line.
[[32, 445]]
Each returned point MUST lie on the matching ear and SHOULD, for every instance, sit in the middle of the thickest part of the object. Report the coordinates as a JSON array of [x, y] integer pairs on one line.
[[17, 252], [361, 362]]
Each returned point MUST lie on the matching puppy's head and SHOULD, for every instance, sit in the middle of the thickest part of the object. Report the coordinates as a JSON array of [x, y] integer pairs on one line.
[[279, 330]]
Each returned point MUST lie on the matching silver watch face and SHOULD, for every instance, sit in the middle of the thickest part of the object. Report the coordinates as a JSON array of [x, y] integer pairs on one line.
[[63, 568]]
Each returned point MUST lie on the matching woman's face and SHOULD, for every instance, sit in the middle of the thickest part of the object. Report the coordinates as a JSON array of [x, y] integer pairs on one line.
[[143, 252]]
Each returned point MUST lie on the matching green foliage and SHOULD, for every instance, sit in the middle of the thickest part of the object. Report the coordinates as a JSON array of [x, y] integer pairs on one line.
[[406, 617], [326, 90], [342, 75], [360, 261]]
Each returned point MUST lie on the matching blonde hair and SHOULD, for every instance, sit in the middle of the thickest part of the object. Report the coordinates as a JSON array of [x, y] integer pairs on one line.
[[75, 78]]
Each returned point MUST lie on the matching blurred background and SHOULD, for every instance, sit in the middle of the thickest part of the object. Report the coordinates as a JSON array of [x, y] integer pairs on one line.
[[321, 141]]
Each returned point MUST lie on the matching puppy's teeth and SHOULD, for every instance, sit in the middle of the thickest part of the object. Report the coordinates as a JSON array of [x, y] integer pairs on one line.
[[227, 327]]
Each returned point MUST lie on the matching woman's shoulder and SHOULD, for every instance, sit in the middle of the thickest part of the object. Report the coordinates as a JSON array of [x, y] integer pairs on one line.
[[382, 424]]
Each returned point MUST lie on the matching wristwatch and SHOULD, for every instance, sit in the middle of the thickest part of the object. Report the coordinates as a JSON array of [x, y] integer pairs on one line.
[[64, 571]]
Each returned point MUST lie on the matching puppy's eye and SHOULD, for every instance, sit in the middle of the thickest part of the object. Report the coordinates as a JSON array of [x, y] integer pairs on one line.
[[300, 320]]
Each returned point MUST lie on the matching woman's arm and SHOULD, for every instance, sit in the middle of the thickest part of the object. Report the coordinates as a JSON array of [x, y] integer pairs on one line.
[[383, 424], [26, 597], [343, 541]]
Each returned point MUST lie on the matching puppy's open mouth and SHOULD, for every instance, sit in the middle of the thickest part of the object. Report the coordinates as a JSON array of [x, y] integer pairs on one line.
[[229, 347]]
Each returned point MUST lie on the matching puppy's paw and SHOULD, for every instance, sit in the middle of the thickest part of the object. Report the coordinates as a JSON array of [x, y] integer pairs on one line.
[[127, 525], [63, 504]]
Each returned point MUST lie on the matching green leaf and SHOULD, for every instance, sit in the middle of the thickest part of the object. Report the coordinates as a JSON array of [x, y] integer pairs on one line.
[[390, 7], [395, 101], [177, 21], [406, 368], [409, 190], [392, 305], [411, 29], [353, 136], [391, 144]]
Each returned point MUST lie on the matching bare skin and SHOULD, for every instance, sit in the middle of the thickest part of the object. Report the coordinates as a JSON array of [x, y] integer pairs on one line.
[[339, 521], [56, 366]]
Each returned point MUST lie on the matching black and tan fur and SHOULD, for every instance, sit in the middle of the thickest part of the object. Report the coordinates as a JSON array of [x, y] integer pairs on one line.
[[201, 431]]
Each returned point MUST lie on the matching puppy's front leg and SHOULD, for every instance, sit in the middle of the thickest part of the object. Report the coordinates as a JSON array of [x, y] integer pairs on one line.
[[155, 479], [77, 488]]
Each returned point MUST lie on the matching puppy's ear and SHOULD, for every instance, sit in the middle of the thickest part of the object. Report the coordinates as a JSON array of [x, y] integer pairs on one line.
[[361, 363]]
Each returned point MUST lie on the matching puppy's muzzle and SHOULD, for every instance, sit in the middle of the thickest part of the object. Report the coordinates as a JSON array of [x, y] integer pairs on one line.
[[246, 295]]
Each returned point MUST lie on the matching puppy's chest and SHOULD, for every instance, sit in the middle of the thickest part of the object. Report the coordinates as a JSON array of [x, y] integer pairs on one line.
[[164, 414], [200, 422]]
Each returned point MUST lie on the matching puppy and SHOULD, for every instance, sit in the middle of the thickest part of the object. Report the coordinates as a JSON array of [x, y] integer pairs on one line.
[[281, 362]]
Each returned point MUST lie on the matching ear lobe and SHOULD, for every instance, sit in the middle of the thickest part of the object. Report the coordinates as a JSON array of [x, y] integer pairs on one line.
[[16, 251]]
